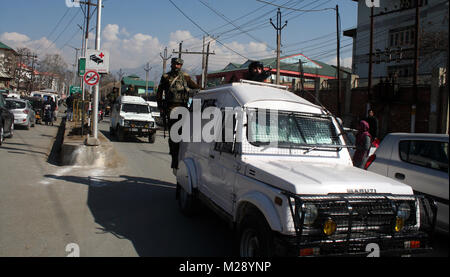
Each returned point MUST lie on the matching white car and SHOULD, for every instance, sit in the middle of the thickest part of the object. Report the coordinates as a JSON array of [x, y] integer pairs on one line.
[[131, 115], [419, 160], [24, 114], [295, 192]]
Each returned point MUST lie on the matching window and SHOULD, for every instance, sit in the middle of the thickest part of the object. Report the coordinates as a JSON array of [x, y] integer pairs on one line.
[[430, 154], [228, 126], [401, 37], [135, 108], [292, 129]]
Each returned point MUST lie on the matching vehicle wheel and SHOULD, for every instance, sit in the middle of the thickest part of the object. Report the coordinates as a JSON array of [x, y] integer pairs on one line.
[[255, 236], [28, 125], [186, 201], [120, 133], [151, 138]]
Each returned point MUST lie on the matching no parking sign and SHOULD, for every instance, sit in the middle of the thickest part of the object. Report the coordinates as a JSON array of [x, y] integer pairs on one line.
[[91, 78]]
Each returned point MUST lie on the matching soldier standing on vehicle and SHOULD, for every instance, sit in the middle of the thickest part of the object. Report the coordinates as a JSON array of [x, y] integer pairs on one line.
[[174, 91], [256, 72]]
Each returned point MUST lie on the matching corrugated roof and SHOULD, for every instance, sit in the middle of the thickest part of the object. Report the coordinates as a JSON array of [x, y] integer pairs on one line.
[[4, 46], [310, 67]]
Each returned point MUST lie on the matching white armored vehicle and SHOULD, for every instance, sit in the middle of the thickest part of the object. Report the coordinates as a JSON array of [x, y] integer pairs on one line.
[[285, 181]]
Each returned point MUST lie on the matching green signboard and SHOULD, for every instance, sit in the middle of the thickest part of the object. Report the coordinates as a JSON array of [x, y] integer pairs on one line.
[[74, 89], [81, 66]]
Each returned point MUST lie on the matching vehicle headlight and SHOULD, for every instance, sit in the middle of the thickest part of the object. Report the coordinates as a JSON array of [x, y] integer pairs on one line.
[[311, 213], [404, 211]]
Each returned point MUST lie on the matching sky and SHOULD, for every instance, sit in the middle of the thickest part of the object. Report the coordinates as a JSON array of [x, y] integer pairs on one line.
[[137, 31]]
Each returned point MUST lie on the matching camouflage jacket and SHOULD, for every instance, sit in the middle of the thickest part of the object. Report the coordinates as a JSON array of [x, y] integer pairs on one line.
[[176, 89]]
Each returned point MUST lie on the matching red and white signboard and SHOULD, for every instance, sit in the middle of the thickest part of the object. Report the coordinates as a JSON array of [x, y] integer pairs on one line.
[[97, 60], [91, 78]]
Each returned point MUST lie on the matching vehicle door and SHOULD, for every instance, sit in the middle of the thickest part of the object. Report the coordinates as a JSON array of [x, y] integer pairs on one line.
[[423, 164], [224, 163]]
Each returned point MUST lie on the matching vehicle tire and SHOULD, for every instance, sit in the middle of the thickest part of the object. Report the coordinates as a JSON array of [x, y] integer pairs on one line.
[[28, 125], [120, 133], [186, 202], [151, 138], [255, 238]]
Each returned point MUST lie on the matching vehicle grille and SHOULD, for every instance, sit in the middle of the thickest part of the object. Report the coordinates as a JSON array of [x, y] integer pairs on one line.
[[355, 215], [140, 124]]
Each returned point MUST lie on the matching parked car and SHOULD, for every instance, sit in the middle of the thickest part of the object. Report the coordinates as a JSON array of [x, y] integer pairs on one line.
[[6, 121], [419, 160], [24, 114], [294, 191], [131, 116]]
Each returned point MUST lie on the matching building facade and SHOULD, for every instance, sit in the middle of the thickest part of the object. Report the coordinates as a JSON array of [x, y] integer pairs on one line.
[[394, 36]]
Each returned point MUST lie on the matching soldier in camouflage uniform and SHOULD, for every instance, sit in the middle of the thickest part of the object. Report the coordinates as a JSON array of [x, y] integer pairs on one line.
[[174, 91]]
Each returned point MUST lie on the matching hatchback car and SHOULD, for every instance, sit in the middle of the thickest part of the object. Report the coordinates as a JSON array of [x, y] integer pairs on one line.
[[6, 120], [419, 160], [24, 114]]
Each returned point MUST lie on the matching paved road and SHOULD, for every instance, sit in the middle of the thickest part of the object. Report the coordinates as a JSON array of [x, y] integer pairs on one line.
[[122, 212], [126, 211]]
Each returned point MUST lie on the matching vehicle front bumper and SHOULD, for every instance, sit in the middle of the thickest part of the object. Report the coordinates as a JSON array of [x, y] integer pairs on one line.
[[388, 246]]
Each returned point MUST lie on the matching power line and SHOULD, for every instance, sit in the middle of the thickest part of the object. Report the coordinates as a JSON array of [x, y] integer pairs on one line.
[[198, 26]]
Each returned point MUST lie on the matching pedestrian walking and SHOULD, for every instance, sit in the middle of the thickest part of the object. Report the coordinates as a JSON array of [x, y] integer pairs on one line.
[[373, 124]]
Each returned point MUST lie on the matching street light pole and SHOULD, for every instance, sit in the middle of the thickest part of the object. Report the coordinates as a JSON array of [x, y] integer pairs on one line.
[[97, 87]]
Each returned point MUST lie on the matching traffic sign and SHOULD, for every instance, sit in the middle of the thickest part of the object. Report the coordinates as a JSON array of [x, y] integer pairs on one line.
[[74, 89], [91, 78], [81, 66], [97, 60]]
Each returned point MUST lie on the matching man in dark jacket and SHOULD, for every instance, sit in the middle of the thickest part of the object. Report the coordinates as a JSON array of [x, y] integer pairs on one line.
[[256, 72]]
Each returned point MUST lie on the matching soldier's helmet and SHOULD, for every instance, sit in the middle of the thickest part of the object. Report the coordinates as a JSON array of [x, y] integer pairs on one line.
[[177, 61]]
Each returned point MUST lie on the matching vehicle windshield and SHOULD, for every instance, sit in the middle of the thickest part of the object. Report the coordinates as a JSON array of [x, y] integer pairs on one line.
[[16, 104], [135, 108], [289, 129], [154, 109]]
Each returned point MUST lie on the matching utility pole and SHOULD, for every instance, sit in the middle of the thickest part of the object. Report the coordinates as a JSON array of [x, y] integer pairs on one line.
[[97, 86], [33, 57], [205, 66], [369, 86], [301, 72], [415, 69], [165, 59], [147, 69], [75, 64], [120, 73], [338, 35], [278, 28], [180, 50], [203, 62]]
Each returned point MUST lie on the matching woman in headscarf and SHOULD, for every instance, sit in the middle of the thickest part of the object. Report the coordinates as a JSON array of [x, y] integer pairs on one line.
[[363, 140]]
